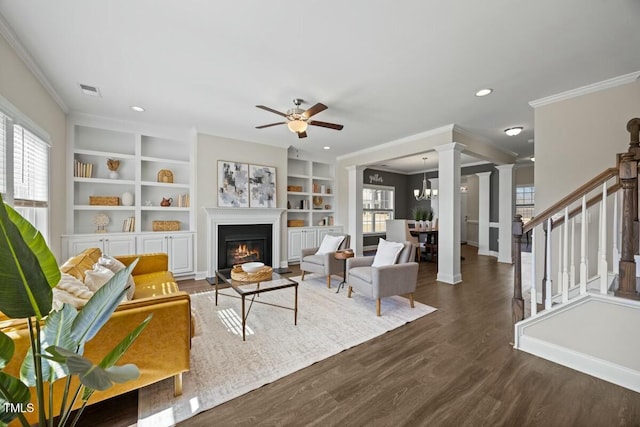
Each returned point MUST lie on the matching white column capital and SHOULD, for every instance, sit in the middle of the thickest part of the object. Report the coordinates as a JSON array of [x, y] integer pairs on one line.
[[450, 147], [505, 167], [482, 174]]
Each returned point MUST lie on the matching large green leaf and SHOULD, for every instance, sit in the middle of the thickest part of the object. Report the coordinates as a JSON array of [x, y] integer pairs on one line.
[[56, 331], [25, 290], [14, 396], [35, 240], [114, 355], [100, 306], [93, 376], [7, 347]]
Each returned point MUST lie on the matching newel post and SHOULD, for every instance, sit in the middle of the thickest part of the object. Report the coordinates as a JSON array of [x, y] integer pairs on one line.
[[628, 172], [517, 303]]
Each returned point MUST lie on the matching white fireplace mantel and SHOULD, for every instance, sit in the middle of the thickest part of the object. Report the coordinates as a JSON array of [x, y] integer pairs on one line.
[[239, 216]]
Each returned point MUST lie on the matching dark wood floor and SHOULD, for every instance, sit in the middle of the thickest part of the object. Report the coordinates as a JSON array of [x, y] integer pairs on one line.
[[455, 367]]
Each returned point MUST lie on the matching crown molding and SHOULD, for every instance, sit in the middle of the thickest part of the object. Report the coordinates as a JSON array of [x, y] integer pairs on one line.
[[7, 32], [404, 140], [595, 87]]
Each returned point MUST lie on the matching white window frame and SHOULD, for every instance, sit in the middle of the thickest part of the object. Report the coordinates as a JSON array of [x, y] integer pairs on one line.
[[40, 214], [389, 211]]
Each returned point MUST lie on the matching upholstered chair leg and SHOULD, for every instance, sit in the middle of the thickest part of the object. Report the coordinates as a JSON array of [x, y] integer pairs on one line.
[[177, 385], [329, 281], [411, 300], [302, 278], [378, 307], [349, 292]]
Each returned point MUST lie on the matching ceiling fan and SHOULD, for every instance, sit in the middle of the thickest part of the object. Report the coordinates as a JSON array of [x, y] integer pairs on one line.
[[298, 119]]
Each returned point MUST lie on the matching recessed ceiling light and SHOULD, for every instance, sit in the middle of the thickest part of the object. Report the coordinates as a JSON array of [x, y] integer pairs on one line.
[[513, 131], [484, 92], [327, 147], [136, 108]]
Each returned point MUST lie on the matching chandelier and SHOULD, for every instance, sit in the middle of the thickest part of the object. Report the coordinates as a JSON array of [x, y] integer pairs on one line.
[[425, 193]]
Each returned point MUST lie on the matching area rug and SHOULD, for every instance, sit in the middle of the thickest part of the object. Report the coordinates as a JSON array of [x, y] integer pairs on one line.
[[224, 367]]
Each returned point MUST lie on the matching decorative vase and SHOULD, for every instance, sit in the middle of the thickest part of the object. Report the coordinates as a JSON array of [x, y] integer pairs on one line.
[[127, 198], [113, 175]]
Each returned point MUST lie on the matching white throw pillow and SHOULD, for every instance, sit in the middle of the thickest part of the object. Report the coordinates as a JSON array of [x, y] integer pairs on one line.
[[71, 291], [115, 265], [96, 278], [387, 253], [329, 244]]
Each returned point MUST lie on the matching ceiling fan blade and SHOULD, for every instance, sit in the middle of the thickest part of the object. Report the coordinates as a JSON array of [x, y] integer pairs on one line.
[[302, 134], [269, 125], [271, 110], [314, 110], [325, 124]]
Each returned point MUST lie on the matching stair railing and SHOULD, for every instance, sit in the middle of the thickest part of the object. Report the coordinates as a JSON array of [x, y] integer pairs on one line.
[[559, 220]]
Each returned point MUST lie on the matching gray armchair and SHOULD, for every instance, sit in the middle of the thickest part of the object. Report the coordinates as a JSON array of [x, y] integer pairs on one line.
[[385, 281], [325, 264]]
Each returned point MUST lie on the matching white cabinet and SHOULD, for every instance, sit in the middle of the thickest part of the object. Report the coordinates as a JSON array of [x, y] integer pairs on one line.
[[306, 237], [300, 238], [110, 244], [179, 247]]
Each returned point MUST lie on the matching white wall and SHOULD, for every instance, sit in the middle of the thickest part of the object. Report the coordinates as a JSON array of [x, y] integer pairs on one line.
[[20, 87], [579, 137], [209, 150]]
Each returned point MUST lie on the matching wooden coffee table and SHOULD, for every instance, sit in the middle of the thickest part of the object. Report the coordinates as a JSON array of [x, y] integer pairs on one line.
[[252, 289]]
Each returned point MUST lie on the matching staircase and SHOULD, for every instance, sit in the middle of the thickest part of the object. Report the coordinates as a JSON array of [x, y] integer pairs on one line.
[[580, 280]]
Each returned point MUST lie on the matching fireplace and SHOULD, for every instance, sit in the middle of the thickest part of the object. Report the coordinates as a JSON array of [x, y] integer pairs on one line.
[[242, 218], [238, 244]]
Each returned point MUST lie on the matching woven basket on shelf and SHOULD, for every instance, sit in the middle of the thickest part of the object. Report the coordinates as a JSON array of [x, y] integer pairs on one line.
[[237, 273], [104, 200], [165, 225]]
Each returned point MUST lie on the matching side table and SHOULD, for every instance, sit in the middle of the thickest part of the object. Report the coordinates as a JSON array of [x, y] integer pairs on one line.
[[343, 255]]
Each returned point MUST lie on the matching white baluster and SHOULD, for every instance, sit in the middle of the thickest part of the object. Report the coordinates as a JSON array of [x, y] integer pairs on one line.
[[615, 252], [604, 282], [572, 266], [565, 257], [548, 283], [534, 295], [583, 247], [560, 267]]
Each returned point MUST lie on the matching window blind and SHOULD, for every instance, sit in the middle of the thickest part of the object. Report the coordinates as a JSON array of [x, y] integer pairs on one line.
[[3, 149], [30, 169]]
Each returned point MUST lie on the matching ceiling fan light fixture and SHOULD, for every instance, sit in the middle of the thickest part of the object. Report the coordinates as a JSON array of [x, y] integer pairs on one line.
[[297, 126]]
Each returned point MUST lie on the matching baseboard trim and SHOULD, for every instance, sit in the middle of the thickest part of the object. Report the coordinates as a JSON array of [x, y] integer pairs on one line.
[[607, 371]]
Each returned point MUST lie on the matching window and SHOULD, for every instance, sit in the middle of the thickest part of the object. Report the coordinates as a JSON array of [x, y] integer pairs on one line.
[[24, 171], [377, 208], [525, 198]]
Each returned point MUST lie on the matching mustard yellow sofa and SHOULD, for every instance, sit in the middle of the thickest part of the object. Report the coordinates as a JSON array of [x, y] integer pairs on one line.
[[162, 349]]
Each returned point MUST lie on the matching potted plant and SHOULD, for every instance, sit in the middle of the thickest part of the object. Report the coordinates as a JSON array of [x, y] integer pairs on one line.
[[28, 272], [417, 216], [427, 217]]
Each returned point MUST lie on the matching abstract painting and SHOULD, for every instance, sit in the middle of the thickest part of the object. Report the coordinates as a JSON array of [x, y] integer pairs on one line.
[[262, 186], [233, 184]]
